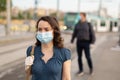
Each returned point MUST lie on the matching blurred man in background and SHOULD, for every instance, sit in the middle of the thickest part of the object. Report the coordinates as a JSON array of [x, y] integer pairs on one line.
[[85, 35]]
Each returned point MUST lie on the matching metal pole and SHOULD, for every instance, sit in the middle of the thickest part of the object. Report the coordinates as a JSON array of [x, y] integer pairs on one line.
[[35, 10], [8, 17], [78, 6], [119, 24], [119, 32], [58, 9], [100, 6]]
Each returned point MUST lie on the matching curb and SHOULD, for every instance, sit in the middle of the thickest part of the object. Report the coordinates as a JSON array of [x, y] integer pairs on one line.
[[15, 40]]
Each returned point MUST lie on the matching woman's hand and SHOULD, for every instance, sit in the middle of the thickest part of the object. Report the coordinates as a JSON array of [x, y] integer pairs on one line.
[[28, 62]]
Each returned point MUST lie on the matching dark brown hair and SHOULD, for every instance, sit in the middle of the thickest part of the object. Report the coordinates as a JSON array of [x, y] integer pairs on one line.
[[83, 13], [57, 40]]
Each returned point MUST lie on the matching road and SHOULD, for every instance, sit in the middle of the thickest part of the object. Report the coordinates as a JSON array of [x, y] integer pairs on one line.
[[2, 30], [12, 58]]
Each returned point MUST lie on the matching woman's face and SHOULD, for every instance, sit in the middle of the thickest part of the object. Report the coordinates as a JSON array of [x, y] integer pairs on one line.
[[44, 26]]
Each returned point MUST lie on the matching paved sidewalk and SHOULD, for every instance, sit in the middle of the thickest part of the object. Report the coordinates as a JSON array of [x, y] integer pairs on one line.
[[105, 61]]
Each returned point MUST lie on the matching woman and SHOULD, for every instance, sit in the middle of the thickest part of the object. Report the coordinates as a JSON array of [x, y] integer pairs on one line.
[[51, 60]]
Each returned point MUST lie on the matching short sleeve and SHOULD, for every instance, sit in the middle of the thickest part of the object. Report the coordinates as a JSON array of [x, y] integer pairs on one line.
[[66, 54], [28, 51]]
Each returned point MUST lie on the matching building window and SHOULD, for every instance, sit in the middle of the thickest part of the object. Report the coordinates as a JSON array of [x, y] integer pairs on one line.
[[115, 24], [103, 24]]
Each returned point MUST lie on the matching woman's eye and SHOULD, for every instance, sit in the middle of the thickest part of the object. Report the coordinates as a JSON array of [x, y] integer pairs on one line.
[[43, 29], [46, 29], [39, 29]]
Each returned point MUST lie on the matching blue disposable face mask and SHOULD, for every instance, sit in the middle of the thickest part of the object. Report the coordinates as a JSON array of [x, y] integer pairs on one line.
[[45, 37]]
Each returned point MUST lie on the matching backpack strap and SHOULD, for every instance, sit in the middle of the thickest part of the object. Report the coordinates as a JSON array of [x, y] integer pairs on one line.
[[92, 34]]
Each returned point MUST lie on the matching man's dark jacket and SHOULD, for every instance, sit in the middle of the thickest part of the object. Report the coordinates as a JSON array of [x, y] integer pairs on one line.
[[83, 32]]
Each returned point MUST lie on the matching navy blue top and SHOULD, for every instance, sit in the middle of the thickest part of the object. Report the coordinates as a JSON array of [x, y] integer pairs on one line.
[[52, 70]]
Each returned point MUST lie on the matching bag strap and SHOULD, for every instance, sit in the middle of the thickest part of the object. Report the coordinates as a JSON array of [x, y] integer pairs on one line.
[[28, 73], [32, 51]]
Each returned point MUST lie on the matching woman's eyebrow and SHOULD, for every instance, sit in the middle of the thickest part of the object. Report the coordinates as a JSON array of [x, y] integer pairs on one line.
[[44, 28]]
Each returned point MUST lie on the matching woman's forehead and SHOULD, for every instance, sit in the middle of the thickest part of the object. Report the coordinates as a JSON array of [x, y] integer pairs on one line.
[[43, 24]]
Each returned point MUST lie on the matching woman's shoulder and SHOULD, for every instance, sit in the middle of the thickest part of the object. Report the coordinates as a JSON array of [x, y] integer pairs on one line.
[[29, 49], [65, 53], [63, 50]]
